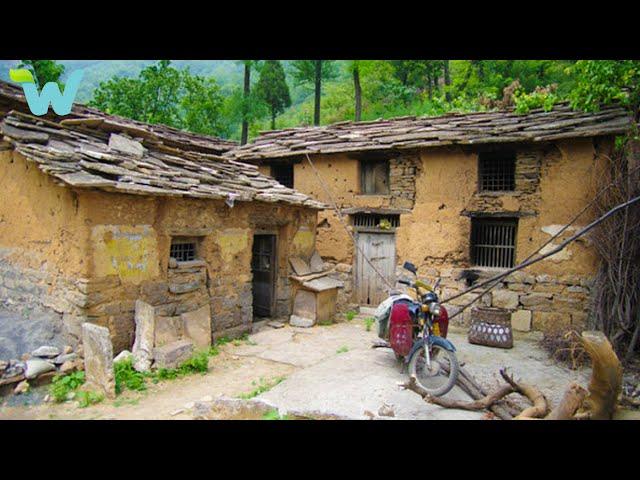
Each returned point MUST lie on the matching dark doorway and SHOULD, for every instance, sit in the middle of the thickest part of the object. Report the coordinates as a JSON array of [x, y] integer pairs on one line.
[[283, 174], [263, 266]]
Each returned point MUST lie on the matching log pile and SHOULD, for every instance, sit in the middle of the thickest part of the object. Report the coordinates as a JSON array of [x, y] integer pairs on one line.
[[598, 402], [98, 153], [451, 129]]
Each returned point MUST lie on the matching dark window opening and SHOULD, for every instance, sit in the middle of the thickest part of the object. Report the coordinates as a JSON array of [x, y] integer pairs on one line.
[[493, 242], [183, 249], [375, 220], [497, 171], [283, 174], [374, 177]]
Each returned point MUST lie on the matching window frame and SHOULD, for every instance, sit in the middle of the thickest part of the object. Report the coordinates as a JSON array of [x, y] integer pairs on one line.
[[370, 164], [274, 167], [504, 155], [182, 240], [493, 258]]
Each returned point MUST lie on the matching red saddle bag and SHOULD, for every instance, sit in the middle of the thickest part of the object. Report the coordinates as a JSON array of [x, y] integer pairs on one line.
[[401, 329]]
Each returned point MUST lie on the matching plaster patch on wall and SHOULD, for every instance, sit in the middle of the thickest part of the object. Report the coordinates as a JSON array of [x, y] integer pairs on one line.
[[231, 242], [303, 242], [561, 256], [552, 230], [129, 251]]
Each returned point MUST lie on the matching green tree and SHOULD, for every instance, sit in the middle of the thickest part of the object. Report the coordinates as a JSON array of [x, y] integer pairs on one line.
[[273, 89], [246, 106], [44, 71], [307, 72], [354, 67], [164, 95]]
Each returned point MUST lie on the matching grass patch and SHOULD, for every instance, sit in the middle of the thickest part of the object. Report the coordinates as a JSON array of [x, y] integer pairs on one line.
[[274, 415], [368, 323], [260, 387], [88, 398], [126, 401], [343, 349], [244, 338], [198, 363], [350, 315]]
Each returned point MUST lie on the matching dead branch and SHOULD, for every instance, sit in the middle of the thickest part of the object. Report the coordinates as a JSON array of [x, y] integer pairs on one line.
[[569, 404], [540, 405], [480, 404], [605, 386]]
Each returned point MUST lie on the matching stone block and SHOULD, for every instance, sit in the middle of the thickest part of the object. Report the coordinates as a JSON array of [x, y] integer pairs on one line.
[[180, 288], [548, 287], [545, 321], [98, 360], [505, 299], [304, 304], [536, 299], [197, 326], [172, 355], [520, 277], [168, 330], [521, 320], [296, 321], [144, 337]]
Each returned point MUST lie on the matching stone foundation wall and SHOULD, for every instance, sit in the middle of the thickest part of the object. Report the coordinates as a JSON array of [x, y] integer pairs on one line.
[[536, 302], [402, 180]]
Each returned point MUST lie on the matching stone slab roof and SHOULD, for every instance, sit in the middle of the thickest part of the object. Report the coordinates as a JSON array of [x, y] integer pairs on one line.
[[94, 153], [12, 98], [420, 132]]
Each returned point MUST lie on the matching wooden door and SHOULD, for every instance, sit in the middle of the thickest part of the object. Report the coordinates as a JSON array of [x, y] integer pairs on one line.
[[263, 266], [380, 248]]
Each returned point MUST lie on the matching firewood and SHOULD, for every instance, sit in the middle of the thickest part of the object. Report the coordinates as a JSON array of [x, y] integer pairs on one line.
[[540, 405], [480, 404], [569, 404]]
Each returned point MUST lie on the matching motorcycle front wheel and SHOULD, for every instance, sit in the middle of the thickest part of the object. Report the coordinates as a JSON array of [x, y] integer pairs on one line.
[[441, 376]]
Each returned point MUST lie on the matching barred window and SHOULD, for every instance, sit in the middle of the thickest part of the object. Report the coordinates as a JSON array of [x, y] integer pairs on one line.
[[493, 242], [183, 249], [497, 171], [283, 174], [375, 220]]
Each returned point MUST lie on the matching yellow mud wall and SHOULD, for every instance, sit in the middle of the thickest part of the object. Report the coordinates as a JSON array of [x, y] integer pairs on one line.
[[40, 225]]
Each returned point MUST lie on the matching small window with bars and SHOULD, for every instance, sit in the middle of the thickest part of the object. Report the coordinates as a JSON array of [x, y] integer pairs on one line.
[[184, 249], [283, 174], [497, 171], [493, 242], [376, 221]]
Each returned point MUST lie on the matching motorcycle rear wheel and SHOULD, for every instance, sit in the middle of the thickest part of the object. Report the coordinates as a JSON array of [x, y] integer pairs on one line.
[[442, 376]]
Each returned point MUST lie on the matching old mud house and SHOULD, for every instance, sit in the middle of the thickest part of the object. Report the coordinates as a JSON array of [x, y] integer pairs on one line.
[[461, 195], [97, 211]]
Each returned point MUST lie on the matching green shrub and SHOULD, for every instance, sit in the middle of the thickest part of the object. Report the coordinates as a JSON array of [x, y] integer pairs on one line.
[[343, 349], [350, 315], [62, 385], [128, 377], [275, 415]]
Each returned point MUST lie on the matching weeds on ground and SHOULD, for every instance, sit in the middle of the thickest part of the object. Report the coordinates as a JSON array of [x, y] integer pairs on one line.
[[368, 323], [261, 387], [128, 377], [86, 398], [275, 415], [350, 315], [343, 349], [126, 401], [198, 363], [244, 338], [64, 386]]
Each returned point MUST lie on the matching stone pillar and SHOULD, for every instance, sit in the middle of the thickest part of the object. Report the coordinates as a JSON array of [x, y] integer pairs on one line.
[[98, 360], [145, 331]]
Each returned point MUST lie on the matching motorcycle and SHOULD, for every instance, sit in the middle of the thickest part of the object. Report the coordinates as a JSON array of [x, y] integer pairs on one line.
[[417, 331]]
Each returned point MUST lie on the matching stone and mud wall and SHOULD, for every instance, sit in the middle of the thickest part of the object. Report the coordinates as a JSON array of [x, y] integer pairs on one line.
[[553, 182], [89, 255]]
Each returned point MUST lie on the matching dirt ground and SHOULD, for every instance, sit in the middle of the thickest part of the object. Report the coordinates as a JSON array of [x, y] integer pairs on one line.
[[331, 369]]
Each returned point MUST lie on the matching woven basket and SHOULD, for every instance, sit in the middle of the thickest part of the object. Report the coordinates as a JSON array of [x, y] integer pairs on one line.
[[491, 327]]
